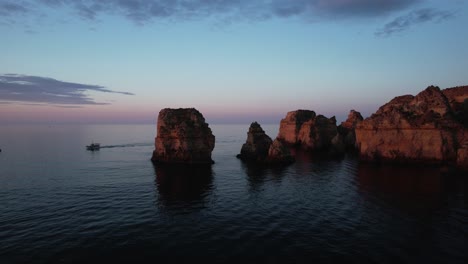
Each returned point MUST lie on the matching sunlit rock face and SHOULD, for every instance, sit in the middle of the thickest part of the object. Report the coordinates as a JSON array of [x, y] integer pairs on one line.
[[183, 136], [305, 129], [260, 148], [347, 129], [426, 128], [279, 153]]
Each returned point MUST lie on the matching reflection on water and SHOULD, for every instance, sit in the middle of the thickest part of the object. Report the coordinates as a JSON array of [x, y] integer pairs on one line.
[[183, 183], [258, 174], [408, 187]]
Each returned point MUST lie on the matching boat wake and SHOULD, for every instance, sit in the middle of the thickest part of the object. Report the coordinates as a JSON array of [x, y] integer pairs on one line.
[[131, 145]]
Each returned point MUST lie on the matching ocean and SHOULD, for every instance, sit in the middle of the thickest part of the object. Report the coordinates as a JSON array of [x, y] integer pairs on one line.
[[63, 204]]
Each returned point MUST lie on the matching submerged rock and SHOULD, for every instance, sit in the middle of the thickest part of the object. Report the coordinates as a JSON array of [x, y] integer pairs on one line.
[[421, 128], [260, 148], [183, 136]]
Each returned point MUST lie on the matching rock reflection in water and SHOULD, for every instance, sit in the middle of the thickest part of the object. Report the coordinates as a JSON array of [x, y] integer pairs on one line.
[[260, 173], [183, 183], [409, 188]]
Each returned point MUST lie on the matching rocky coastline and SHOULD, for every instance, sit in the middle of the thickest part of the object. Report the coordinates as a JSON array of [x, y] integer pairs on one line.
[[430, 127], [426, 128]]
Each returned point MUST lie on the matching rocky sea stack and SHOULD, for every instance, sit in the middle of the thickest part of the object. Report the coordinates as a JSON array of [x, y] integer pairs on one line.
[[260, 148], [347, 129], [183, 136], [306, 130], [430, 127]]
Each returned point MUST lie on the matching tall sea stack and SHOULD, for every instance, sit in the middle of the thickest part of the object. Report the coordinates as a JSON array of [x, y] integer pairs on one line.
[[183, 137]]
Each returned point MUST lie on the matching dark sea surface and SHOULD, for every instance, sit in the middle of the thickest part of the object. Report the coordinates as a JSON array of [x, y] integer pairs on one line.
[[62, 204]]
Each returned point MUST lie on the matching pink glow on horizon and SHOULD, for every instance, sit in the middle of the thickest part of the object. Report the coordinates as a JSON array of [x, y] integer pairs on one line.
[[31, 113]]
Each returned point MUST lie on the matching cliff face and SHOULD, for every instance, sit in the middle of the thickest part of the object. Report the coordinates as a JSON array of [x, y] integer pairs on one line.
[[183, 136], [305, 129], [291, 125], [260, 148], [347, 129], [421, 128], [458, 100]]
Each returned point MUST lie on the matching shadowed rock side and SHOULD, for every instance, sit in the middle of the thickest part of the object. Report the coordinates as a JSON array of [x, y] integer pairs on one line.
[[183, 136], [421, 128], [304, 129], [458, 100], [347, 129], [260, 148]]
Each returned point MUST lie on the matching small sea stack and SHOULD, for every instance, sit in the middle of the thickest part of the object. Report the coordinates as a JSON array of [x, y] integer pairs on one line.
[[259, 148], [183, 137], [347, 129]]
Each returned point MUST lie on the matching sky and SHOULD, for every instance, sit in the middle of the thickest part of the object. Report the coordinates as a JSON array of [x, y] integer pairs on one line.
[[236, 61]]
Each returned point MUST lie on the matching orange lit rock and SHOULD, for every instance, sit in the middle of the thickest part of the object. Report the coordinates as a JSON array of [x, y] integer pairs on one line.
[[305, 129], [183, 136], [421, 128]]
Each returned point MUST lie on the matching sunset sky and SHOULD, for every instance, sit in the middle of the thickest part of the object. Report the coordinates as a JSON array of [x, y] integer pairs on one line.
[[237, 61]]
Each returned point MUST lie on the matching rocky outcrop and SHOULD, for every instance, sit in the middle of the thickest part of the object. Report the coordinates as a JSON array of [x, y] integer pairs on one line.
[[291, 125], [279, 153], [183, 136], [257, 145], [421, 128], [260, 148], [347, 129], [458, 100], [305, 129]]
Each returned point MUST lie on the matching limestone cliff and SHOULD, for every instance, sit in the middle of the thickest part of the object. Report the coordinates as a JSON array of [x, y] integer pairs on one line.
[[305, 129], [347, 129], [183, 136], [421, 128]]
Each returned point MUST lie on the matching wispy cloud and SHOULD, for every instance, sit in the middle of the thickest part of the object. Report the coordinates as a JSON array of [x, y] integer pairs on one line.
[[402, 23], [145, 11], [12, 8], [359, 8], [35, 89]]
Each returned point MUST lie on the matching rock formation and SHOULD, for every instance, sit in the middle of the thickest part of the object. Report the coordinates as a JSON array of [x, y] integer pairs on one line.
[[347, 129], [257, 145], [260, 148], [183, 136], [421, 128], [305, 129], [458, 100], [279, 153]]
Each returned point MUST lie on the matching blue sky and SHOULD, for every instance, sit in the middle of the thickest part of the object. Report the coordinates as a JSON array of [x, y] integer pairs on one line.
[[236, 61]]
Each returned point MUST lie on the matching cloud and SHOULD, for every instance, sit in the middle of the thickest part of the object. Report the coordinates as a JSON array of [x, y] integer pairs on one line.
[[145, 11], [361, 7], [402, 23], [35, 89], [12, 8]]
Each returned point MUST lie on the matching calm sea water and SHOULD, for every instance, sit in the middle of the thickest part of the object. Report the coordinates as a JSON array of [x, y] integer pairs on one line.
[[61, 203]]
